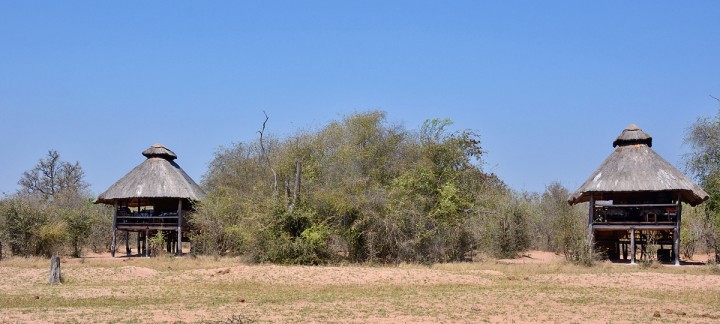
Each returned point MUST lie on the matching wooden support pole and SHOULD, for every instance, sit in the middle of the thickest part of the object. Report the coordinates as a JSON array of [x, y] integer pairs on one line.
[[676, 232], [591, 216], [179, 227], [114, 229], [145, 246], [632, 245], [139, 251], [127, 243]]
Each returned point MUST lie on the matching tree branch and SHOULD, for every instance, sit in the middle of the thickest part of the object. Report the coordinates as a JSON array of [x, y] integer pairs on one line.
[[267, 158]]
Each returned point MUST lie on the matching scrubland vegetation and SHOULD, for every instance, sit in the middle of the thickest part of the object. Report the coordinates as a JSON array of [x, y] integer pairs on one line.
[[358, 190], [373, 192]]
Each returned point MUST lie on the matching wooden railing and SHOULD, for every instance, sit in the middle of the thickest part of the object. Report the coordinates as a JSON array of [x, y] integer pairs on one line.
[[168, 219], [658, 214]]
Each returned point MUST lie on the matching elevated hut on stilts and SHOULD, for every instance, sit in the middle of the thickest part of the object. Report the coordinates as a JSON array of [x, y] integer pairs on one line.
[[154, 197], [635, 200]]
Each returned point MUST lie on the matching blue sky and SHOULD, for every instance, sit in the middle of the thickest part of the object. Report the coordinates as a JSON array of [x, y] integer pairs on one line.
[[547, 84]]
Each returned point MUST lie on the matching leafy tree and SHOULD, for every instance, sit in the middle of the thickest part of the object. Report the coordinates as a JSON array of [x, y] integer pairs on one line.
[[704, 162], [22, 219], [505, 231], [371, 191]]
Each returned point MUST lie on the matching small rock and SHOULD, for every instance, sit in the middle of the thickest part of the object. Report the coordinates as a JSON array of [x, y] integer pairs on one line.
[[656, 314], [37, 297]]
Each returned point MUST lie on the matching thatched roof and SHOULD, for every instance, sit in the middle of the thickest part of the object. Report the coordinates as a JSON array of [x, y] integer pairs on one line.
[[157, 177], [635, 167], [633, 135], [158, 150]]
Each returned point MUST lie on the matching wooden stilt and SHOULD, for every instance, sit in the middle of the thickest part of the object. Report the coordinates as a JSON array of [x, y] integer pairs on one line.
[[676, 233], [179, 227], [591, 216], [127, 243], [145, 247], [625, 251], [114, 229], [632, 245]]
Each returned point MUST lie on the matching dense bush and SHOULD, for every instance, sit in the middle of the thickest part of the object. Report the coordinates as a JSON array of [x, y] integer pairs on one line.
[[35, 226], [51, 213], [370, 191]]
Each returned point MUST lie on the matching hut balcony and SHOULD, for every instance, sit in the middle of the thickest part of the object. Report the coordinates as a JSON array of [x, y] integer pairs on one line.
[[146, 219], [634, 214]]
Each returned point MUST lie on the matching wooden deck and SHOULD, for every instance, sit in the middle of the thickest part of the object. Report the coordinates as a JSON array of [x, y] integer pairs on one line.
[[144, 222]]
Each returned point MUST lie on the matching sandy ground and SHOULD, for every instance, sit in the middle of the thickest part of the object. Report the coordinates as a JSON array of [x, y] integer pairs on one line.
[[537, 287]]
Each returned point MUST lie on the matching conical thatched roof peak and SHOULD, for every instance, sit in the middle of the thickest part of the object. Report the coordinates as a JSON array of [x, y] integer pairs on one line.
[[632, 134], [634, 167], [156, 177], [160, 151]]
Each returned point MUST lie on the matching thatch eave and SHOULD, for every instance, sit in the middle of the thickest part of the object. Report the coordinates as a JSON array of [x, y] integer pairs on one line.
[[155, 178], [637, 168]]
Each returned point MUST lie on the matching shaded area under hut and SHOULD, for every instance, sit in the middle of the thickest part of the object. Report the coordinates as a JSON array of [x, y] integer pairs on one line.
[[635, 199], [154, 197]]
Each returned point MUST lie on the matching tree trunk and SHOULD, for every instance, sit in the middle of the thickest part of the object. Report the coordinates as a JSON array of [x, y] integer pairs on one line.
[[287, 195], [55, 276], [298, 172]]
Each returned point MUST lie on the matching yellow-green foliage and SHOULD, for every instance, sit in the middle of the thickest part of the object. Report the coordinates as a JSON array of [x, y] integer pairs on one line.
[[370, 191]]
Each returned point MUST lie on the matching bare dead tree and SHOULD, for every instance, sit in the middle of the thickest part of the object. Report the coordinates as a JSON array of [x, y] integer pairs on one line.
[[52, 175], [267, 157]]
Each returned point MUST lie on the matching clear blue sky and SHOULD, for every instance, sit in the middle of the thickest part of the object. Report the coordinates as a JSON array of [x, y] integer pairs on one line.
[[547, 84]]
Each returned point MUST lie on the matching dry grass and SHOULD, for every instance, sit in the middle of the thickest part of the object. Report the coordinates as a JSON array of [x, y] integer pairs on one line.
[[226, 290]]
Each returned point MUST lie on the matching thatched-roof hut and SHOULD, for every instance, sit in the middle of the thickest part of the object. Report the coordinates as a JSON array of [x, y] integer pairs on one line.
[[152, 197], [636, 189]]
